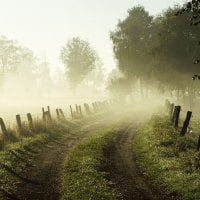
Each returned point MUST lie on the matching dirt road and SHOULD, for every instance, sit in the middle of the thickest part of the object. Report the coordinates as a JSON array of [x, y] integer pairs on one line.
[[42, 178], [122, 169]]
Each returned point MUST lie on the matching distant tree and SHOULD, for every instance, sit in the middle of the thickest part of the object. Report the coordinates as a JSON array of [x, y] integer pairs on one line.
[[17, 60], [79, 59], [9, 55], [119, 88]]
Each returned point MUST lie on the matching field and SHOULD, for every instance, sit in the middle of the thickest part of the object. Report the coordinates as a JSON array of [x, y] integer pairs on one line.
[[108, 154]]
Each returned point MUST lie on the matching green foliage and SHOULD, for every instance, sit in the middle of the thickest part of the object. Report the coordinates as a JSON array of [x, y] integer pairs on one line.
[[79, 59], [172, 161], [132, 42], [83, 178], [158, 50], [192, 7]]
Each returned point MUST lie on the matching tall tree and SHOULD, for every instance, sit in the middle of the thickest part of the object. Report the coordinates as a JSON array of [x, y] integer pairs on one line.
[[79, 59], [133, 40]]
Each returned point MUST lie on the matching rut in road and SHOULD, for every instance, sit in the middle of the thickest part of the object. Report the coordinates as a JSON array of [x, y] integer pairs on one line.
[[42, 179], [122, 169]]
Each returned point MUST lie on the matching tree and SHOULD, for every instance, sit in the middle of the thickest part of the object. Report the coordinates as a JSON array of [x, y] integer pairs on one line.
[[119, 88], [18, 62], [79, 59], [9, 55], [133, 41], [192, 7]]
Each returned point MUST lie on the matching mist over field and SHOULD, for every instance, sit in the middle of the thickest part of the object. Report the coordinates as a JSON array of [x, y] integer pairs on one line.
[[152, 53], [99, 100]]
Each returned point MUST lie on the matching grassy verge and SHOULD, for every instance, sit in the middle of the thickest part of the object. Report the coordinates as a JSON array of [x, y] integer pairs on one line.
[[83, 178], [172, 161], [18, 155]]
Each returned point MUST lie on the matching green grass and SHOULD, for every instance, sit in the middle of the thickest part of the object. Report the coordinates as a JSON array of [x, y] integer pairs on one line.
[[170, 160], [83, 178], [18, 155]]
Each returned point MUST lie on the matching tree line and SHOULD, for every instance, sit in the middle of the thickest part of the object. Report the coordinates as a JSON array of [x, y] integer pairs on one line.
[[20, 66], [158, 52]]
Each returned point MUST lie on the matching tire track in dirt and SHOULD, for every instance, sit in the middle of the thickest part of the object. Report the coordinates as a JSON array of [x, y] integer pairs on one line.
[[122, 169], [42, 179]]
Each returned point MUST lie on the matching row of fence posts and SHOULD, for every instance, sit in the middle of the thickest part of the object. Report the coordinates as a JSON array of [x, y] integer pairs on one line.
[[47, 117], [174, 114]]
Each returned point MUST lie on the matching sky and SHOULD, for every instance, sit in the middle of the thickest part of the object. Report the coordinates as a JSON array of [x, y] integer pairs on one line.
[[45, 26]]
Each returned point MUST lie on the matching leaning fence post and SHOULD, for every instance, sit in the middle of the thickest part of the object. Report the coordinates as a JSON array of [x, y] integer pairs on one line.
[[57, 113], [177, 115], [49, 112], [80, 110], [4, 132], [173, 115], [43, 114], [3, 128], [186, 123], [19, 123], [198, 145], [62, 113], [30, 120], [71, 111]]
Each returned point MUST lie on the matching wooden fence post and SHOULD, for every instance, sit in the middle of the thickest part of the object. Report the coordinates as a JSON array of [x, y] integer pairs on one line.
[[62, 113], [177, 115], [49, 112], [80, 110], [173, 115], [77, 110], [3, 128], [186, 123], [30, 120], [71, 111], [43, 114], [198, 145], [19, 124], [57, 113]]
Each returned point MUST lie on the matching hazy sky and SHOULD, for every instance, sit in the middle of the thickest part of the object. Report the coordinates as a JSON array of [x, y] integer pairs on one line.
[[45, 25]]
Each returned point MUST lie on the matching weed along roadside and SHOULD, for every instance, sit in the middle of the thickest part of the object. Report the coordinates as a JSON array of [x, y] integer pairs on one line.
[[168, 152]]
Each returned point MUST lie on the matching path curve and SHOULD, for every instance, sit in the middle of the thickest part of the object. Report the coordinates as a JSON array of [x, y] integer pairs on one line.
[[122, 169]]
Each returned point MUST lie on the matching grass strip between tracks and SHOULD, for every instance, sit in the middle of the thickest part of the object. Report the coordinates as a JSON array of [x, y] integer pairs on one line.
[[83, 178]]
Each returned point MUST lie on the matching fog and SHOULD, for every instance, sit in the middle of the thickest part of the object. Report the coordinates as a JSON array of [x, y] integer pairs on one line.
[[151, 64]]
